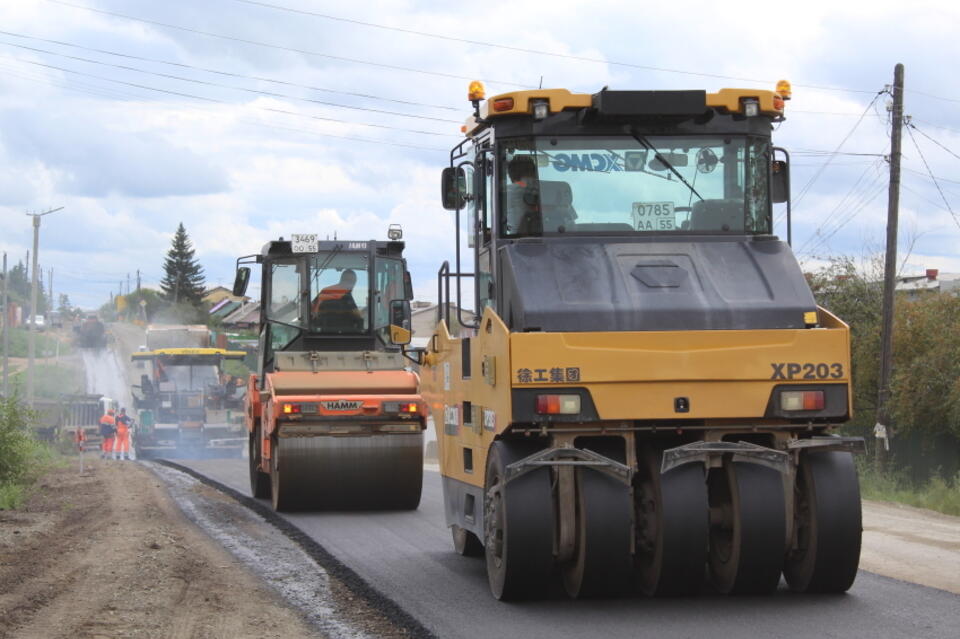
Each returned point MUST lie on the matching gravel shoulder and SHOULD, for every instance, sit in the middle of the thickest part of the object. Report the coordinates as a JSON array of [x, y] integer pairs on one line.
[[109, 554], [911, 544]]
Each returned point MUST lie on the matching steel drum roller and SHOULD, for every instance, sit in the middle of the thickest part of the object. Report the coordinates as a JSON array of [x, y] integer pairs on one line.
[[350, 472]]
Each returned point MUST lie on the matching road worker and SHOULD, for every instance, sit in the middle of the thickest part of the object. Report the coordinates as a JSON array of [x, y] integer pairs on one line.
[[121, 449], [108, 430]]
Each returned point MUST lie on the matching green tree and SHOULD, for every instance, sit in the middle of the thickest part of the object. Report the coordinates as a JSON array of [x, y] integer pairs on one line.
[[855, 295], [183, 275]]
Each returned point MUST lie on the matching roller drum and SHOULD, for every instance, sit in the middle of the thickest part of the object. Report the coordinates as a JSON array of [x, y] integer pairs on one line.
[[350, 473]]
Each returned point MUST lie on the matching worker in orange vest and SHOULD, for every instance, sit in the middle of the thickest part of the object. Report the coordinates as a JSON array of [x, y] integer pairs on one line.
[[108, 430], [122, 445]]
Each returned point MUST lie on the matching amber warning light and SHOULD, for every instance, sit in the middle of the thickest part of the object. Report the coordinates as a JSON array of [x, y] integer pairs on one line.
[[477, 91]]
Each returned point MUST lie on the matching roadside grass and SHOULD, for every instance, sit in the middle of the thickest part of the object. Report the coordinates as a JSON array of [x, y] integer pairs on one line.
[[23, 459], [51, 380], [45, 345], [936, 494]]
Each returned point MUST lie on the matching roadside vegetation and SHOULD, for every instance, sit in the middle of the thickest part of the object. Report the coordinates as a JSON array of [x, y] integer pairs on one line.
[[46, 344], [922, 467], [50, 381], [942, 495], [23, 459]]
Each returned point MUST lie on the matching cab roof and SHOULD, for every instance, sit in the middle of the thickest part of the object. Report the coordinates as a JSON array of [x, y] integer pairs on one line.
[[625, 104]]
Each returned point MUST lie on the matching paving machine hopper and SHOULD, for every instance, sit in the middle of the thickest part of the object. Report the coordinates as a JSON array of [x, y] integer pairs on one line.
[[334, 416], [650, 389]]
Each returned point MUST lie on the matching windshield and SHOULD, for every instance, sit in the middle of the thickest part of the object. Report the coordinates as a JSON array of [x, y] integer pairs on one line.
[[186, 377], [339, 292], [634, 185]]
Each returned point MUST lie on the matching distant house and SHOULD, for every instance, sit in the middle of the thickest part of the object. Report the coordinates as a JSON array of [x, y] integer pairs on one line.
[[933, 281], [217, 294], [246, 316], [425, 321]]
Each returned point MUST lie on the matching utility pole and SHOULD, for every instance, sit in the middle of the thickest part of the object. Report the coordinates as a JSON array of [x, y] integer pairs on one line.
[[6, 331], [128, 283], [881, 430], [53, 305], [138, 280], [31, 329]]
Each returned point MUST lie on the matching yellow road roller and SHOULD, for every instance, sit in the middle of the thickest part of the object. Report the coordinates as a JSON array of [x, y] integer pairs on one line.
[[647, 392]]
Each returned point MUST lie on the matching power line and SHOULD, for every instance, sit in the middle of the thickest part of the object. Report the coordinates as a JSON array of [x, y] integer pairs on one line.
[[564, 56], [279, 47], [216, 101], [820, 171], [111, 93], [229, 73], [224, 86], [911, 125], [933, 177], [939, 190]]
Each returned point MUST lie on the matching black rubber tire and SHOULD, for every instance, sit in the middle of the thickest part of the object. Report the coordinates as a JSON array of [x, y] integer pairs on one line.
[[673, 527], [259, 480], [746, 549], [602, 564], [465, 543], [518, 525], [828, 524]]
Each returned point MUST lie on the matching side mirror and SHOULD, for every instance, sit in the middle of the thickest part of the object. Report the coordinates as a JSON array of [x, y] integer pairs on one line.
[[400, 322], [453, 188], [779, 181], [241, 281]]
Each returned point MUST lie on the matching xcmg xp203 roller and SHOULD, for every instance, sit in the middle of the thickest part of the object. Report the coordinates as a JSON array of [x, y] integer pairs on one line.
[[648, 388], [335, 418]]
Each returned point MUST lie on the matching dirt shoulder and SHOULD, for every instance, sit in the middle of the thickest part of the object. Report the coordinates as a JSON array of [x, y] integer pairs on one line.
[[911, 544], [109, 554]]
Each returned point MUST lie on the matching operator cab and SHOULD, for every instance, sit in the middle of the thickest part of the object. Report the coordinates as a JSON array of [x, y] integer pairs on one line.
[[626, 210], [330, 296]]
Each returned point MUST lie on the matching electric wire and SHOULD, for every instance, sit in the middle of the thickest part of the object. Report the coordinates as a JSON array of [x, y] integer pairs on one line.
[[228, 73], [853, 200], [819, 172], [912, 126], [280, 47], [564, 56], [91, 89], [225, 102], [930, 173], [271, 94]]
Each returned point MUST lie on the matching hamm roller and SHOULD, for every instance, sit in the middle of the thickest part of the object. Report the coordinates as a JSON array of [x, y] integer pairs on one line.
[[334, 418]]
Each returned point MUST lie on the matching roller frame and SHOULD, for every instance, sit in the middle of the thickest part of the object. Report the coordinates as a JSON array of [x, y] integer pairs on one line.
[[702, 451], [569, 456]]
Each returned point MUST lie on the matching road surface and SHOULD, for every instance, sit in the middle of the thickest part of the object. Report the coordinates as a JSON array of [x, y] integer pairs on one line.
[[408, 556]]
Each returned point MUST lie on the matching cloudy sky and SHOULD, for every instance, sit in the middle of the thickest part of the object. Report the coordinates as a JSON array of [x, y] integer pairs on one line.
[[247, 120]]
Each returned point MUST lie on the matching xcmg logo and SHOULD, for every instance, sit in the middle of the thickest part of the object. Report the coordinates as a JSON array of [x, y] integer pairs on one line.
[[601, 162]]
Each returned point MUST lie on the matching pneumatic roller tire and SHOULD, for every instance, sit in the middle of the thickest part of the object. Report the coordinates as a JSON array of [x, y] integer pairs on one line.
[[673, 527], [373, 472], [747, 528], [828, 524], [518, 525], [259, 480], [602, 563]]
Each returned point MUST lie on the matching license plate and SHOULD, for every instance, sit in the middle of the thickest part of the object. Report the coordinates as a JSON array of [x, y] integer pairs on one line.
[[304, 242], [654, 216]]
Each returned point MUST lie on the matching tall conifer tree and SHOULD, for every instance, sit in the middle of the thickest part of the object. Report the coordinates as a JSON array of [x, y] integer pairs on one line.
[[183, 275]]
